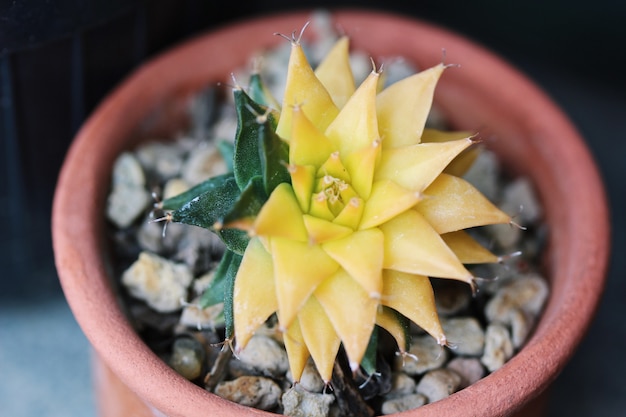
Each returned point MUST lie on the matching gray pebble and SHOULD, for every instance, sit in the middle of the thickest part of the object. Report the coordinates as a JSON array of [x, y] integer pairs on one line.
[[527, 293], [310, 379], [404, 403], [519, 199], [165, 159], [465, 334], [128, 171], [251, 391], [126, 203], [265, 355], [438, 384], [203, 163], [298, 402], [469, 369], [498, 347], [401, 385], [427, 355], [187, 357]]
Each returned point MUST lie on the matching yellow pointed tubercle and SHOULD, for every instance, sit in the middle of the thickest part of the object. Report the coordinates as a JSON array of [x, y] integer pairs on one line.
[[463, 162], [351, 311], [378, 210], [254, 296], [412, 296], [281, 215], [335, 72], [360, 254], [320, 337], [356, 127], [467, 249], [388, 320], [361, 166], [404, 106], [351, 214], [297, 352], [298, 269], [303, 183], [308, 145], [321, 230], [415, 167], [453, 204], [304, 89], [413, 246]]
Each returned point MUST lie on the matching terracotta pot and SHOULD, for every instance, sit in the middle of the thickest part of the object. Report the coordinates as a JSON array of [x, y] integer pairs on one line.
[[532, 137]]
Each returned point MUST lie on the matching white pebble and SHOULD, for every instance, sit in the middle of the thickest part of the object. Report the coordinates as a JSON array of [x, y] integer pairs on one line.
[[400, 404], [469, 369], [498, 347], [266, 355], [528, 293], [438, 384], [203, 163], [299, 402], [429, 354], [162, 284], [465, 334], [251, 391]]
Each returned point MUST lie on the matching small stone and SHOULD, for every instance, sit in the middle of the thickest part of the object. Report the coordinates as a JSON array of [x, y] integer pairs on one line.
[[498, 347], [401, 385], [174, 187], [251, 391], [151, 238], [203, 163], [506, 236], [162, 284], [521, 325], [429, 354], [438, 384], [165, 160], [483, 174], [527, 293], [465, 334], [128, 171], [202, 318], [451, 297], [298, 402], [126, 203], [469, 369], [196, 248], [187, 357], [519, 198], [404, 403], [265, 355], [310, 380]]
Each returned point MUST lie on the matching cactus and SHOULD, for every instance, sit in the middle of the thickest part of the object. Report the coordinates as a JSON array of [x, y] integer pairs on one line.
[[339, 207]]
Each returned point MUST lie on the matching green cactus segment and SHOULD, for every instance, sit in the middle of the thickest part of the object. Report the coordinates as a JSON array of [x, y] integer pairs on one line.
[[229, 287], [369, 359], [247, 206], [274, 156], [227, 151], [252, 118], [208, 208], [260, 93], [212, 185], [214, 293]]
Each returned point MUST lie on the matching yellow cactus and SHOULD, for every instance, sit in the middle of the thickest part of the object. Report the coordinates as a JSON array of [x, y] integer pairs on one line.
[[367, 215]]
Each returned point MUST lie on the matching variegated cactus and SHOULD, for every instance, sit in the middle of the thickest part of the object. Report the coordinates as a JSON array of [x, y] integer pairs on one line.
[[339, 207]]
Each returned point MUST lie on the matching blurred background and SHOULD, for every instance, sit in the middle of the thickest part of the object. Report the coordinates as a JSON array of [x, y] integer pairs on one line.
[[58, 59]]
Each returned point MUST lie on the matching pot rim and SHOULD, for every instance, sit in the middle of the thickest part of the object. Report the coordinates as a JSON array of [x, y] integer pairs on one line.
[[78, 215]]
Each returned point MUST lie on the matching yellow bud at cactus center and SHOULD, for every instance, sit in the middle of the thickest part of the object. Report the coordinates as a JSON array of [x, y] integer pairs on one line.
[[350, 243]]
